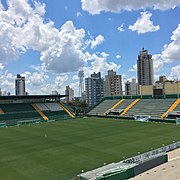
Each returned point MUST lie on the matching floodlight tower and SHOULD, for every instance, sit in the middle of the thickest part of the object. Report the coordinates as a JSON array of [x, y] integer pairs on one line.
[[81, 82]]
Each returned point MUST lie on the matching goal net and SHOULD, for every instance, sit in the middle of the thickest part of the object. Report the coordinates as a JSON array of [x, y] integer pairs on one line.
[[144, 118], [3, 125], [32, 121], [177, 120]]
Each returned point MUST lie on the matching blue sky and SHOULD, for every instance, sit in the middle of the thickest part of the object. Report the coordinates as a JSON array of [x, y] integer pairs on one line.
[[49, 41]]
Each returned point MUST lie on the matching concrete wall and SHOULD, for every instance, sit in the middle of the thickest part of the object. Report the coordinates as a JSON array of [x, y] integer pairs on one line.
[[146, 90], [172, 88]]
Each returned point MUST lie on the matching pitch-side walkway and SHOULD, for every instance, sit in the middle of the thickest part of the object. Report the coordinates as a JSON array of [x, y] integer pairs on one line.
[[167, 171]]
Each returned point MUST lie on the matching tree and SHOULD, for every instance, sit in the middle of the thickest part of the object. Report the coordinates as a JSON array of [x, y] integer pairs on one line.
[[79, 105]]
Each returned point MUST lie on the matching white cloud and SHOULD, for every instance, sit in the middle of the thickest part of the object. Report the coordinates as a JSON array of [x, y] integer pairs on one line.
[[97, 6], [7, 81], [60, 80], [1, 66], [97, 41], [100, 64], [38, 79], [75, 87], [23, 28], [65, 54], [75, 77], [43, 86], [118, 56], [144, 24], [133, 69], [46, 89], [16, 24], [171, 51], [175, 73], [79, 14], [121, 27], [158, 62], [34, 81], [12, 22]]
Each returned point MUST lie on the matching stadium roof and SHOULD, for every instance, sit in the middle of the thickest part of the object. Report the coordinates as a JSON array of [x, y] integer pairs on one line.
[[31, 97]]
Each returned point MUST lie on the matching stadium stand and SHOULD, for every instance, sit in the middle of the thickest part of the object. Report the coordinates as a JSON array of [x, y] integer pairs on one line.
[[103, 107], [135, 105], [42, 106], [18, 107], [120, 106], [12, 118], [15, 112], [177, 108], [49, 107], [129, 107], [56, 114], [31, 108], [124, 104], [117, 104], [152, 107], [53, 107], [171, 108], [52, 110], [66, 109], [40, 112]]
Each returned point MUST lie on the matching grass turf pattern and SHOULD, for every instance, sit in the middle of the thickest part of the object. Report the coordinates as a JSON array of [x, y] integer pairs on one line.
[[60, 150]]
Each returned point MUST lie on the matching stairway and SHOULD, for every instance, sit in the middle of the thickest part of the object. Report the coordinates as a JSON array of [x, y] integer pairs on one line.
[[40, 112]]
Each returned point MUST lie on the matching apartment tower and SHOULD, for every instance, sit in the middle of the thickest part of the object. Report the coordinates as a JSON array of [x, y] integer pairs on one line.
[[20, 85], [113, 84], [94, 86], [70, 94], [145, 70]]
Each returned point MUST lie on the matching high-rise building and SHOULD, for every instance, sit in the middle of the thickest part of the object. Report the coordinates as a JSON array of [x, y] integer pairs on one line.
[[70, 92], [94, 86], [145, 70], [131, 87], [113, 84], [20, 85]]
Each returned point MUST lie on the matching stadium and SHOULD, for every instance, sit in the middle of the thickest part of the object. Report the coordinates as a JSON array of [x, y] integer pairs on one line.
[[119, 138]]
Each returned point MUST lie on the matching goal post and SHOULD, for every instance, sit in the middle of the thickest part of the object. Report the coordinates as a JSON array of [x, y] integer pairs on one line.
[[143, 118], [3, 125], [177, 120]]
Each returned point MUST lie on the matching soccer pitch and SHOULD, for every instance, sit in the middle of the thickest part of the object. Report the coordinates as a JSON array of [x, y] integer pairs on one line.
[[60, 150]]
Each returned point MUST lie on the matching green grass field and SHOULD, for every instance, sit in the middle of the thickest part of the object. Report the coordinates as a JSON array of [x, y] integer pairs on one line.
[[60, 150]]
